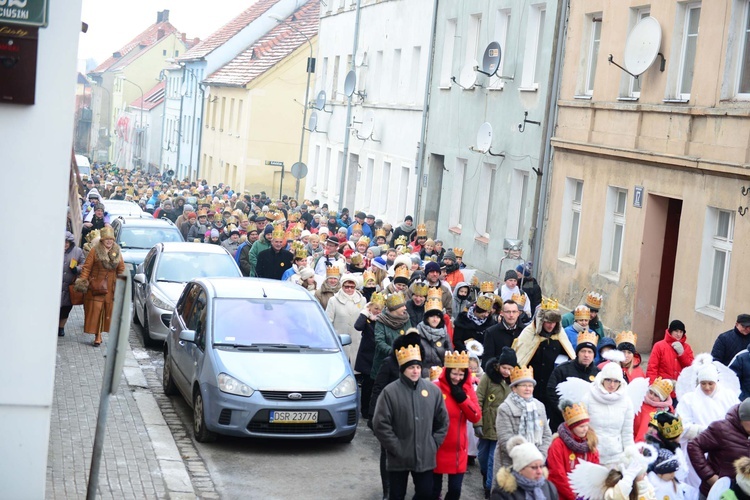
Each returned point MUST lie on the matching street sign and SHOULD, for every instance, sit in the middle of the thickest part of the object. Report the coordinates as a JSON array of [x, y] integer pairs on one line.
[[275, 163], [299, 170], [24, 12], [638, 197]]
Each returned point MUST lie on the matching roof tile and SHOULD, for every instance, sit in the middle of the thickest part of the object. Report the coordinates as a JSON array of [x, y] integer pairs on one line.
[[143, 40]]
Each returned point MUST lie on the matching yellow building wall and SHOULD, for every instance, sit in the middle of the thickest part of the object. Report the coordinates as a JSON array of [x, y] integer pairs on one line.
[[266, 126], [695, 151]]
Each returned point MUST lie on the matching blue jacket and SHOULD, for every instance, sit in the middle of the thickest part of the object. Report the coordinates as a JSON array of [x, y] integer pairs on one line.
[[728, 345], [741, 366]]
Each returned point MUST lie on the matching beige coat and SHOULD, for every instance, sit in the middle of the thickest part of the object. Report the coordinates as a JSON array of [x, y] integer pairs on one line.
[[343, 310]]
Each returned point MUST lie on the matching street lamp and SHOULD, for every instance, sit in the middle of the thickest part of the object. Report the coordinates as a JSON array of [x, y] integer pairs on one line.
[[310, 70], [140, 135]]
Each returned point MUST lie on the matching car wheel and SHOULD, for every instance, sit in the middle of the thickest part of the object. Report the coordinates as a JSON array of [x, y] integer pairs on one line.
[[346, 439], [202, 434], [167, 382], [147, 340]]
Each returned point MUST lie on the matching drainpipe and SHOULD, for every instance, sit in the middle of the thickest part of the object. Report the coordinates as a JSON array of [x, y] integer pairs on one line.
[[177, 169], [347, 132], [550, 118], [425, 109], [200, 133]]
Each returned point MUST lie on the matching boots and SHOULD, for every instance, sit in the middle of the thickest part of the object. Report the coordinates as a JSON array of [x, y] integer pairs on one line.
[[61, 331], [98, 340]]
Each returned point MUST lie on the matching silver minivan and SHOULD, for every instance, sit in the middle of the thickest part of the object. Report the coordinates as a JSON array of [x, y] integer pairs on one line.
[[259, 358]]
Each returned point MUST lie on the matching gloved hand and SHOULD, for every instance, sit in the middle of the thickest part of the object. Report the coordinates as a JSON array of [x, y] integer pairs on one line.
[[478, 432], [457, 392], [74, 270], [677, 346]]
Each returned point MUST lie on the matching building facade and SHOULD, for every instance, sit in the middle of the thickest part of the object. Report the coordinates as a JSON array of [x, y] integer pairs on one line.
[[474, 197], [148, 116], [648, 174]]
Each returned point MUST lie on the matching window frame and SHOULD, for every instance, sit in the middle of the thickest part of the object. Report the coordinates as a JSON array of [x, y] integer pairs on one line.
[[592, 53], [534, 31], [689, 8], [745, 30], [571, 206]]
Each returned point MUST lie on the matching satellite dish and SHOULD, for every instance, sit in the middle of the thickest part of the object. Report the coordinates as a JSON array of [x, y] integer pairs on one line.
[[299, 170], [320, 101], [468, 77], [491, 59], [361, 58], [350, 83], [642, 46], [484, 137], [312, 122], [368, 125]]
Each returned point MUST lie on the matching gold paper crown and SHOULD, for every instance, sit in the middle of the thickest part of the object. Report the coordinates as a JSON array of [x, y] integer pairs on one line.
[[356, 259], [663, 386], [395, 300], [332, 214], [380, 232], [519, 298], [367, 276], [278, 232], [550, 304], [456, 359], [405, 250], [575, 413], [435, 372], [582, 312], [401, 272], [421, 230], [459, 252], [289, 235], [419, 288], [378, 299], [333, 272], [587, 337], [485, 302], [487, 287], [408, 353], [474, 281], [294, 217], [670, 430], [430, 258], [433, 304], [594, 300], [356, 227], [401, 240], [300, 253], [435, 293], [363, 239], [629, 337], [519, 372], [297, 245], [251, 227]]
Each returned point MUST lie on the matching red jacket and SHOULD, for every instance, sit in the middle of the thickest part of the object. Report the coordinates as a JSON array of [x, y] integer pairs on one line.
[[664, 361], [560, 461], [640, 422], [453, 454]]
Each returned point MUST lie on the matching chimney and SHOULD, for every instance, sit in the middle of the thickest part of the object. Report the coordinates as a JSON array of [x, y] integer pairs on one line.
[[162, 16], [184, 37]]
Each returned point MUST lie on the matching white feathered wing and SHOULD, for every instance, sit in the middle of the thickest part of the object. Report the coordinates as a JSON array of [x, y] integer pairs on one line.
[[573, 389], [636, 390], [587, 480]]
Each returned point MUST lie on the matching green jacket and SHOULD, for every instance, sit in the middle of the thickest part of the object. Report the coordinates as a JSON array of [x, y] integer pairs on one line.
[[490, 395], [258, 246], [384, 337]]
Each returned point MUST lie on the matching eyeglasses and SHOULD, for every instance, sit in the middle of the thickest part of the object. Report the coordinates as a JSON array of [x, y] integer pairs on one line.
[[350, 287], [611, 381]]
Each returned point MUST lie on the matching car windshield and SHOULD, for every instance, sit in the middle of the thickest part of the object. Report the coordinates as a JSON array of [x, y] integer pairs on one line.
[[183, 267], [278, 322], [144, 237]]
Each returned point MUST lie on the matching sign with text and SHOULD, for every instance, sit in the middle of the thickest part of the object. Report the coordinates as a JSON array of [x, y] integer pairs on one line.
[[638, 197], [24, 12], [18, 55], [273, 163]]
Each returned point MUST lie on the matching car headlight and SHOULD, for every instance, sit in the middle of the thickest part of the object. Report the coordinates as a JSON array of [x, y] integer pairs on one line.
[[346, 387], [233, 386], [160, 301]]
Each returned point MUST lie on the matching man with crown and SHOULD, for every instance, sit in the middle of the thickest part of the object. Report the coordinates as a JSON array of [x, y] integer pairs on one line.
[[364, 228], [411, 422], [582, 315], [582, 367], [418, 243], [432, 276], [263, 243], [406, 229], [273, 261], [543, 345], [594, 303]]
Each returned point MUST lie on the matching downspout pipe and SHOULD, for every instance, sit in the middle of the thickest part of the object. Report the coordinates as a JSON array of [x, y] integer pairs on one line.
[[425, 111], [544, 176], [347, 132]]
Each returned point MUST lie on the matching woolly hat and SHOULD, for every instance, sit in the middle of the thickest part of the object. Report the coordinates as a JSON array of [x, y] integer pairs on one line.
[[379, 262], [676, 324], [744, 410], [708, 373], [611, 370], [510, 274], [450, 255], [507, 357], [524, 269], [666, 462], [214, 233], [268, 229], [522, 452], [306, 273], [431, 266]]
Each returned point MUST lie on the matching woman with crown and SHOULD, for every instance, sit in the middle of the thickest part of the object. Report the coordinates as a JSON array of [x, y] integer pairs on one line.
[[343, 309], [462, 406], [365, 324], [432, 332], [472, 323], [391, 323], [657, 399]]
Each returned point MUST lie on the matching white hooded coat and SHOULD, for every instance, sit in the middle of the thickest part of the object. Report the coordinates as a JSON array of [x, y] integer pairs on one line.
[[343, 310]]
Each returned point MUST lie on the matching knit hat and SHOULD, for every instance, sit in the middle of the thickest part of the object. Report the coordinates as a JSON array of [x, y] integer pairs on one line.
[[431, 266], [450, 255], [666, 462], [510, 274], [611, 370], [306, 273], [268, 229], [744, 410], [524, 269], [379, 262], [522, 452], [507, 357], [214, 233], [708, 373], [676, 324]]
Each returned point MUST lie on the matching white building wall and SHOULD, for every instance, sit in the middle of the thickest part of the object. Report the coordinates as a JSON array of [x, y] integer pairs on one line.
[[170, 130], [27, 361], [391, 68]]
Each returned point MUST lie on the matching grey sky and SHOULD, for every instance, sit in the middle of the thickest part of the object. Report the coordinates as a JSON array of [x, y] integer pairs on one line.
[[113, 23]]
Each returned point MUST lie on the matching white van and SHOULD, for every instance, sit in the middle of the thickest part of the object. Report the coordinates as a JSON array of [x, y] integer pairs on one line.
[[84, 167]]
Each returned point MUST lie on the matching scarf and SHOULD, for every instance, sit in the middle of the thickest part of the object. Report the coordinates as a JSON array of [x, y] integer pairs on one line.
[[477, 321], [344, 297], [391, 321], [532, 489], [656, 402], [528, 427], [573, 443], [577, 327], [431, 334], [605, 398]]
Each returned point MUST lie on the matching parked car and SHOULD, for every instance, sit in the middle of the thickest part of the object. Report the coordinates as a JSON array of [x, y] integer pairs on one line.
[[259, 358], [161, 277], [123, 208], [137, 236]]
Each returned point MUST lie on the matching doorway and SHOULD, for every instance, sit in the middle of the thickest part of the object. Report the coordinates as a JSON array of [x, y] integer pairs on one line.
[[653, 298]]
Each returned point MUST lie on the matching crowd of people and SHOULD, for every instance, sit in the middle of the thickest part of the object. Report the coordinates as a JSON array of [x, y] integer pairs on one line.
[[454, 372]]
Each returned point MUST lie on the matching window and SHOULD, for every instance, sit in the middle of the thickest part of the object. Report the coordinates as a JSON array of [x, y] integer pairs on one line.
[[230, 123], [570, 221], [239, 117], [375, 76], [517, 200], [449, 43], [368, 181], [483, 193], [532, 60], [459, 171], [403, 189], [635, 83], [593, 52], [416, 56], [472, 39], [315, 169], [327, 172], [395, 76], [613, 233], [713, 274], [743, 83], [335, 81], [385, 180], [688, 42], [323, 78], [502, 22]]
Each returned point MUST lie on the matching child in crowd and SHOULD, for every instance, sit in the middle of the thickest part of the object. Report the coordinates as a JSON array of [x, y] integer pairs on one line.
[[662, 478]]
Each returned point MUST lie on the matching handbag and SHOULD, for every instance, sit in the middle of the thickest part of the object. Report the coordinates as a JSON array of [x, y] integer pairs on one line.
[[100, 288], [76, 297]]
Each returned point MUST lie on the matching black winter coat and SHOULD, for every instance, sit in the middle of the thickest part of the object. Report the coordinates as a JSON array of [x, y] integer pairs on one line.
[[498, 336], [465, 329], [728, 344], [416, 313], [741, 366], [366, 351], [561, 373]]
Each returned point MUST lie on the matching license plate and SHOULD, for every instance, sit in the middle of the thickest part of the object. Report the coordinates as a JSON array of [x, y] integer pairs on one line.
[[294, 417]]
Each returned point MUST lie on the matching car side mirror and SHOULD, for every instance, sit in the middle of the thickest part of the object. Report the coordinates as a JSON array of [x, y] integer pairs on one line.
[[187, 335], [345, 338], [140, 278]]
